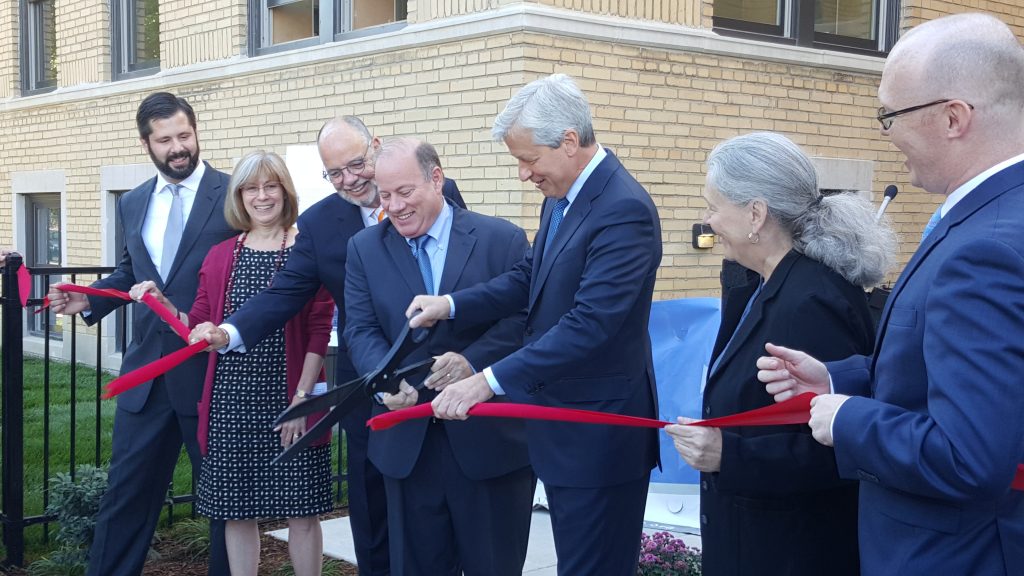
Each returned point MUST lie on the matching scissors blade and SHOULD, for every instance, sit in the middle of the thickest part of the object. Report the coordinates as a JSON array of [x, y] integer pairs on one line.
[[401, 374], [333, 397], [318, 430]]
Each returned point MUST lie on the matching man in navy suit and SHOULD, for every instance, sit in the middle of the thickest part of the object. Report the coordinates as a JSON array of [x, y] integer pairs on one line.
[[347, 150], [154, 419], [930, 422], [587, 289], [459, 493]]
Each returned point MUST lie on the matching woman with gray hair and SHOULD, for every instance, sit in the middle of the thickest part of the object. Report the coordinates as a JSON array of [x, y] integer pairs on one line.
[[771, 498]]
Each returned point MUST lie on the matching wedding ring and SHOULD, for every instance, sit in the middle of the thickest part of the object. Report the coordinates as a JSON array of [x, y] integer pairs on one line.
[[448, 375]]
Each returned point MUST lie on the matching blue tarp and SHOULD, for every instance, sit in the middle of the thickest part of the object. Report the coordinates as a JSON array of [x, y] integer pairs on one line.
[[682, 335]]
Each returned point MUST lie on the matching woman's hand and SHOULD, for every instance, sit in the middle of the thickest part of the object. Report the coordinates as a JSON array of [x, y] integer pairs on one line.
[[699, 446], [292, 430]]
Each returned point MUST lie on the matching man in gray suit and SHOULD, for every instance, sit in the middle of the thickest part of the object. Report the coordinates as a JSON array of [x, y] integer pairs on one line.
[[169, 224]]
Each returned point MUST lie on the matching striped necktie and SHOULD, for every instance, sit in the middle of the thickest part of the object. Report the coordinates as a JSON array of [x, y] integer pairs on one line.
[[932, 223]]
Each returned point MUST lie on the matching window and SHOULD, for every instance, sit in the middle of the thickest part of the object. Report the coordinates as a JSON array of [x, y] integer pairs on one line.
[[39, 46], [866, 26], [136, 37], [43, 235], [276, 25]]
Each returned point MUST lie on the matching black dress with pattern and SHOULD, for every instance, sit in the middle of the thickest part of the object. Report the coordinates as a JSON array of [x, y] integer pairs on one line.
[[237, 480]]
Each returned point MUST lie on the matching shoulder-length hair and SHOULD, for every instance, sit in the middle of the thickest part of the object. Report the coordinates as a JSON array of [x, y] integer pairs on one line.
[[249, 170]]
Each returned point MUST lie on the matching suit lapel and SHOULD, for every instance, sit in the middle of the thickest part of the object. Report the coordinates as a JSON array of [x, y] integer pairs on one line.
[[210, 189], [578, 212], [986, 192], [401, 255], [134, 213], [460, 245]]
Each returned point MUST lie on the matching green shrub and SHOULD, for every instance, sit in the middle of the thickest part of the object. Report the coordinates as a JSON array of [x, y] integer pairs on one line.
[[74, 502]]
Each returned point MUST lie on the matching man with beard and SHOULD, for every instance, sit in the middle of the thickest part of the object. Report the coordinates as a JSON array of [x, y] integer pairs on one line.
[[169, 224], [347, 150]]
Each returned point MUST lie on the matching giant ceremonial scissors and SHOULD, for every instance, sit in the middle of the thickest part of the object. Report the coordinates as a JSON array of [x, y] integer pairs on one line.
[[341, 399]]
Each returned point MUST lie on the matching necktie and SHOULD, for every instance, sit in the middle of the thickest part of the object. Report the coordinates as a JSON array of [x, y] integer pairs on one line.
[[172, 233], [380, 215], [556, 219], [932, 223], [423, 259]]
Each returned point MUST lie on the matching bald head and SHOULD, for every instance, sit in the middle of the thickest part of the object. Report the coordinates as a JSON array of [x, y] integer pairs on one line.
[[972, 57], [347, 148], [410, 180]]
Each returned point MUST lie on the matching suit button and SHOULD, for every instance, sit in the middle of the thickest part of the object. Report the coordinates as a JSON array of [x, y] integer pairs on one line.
[[866, 477], [704, 519], [707, 410], [704, 485], [529, 330]]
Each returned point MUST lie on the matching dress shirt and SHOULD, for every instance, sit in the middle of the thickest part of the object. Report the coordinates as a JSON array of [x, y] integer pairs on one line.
[[160, 207], [370, 215], [574, 191], [437, 244]]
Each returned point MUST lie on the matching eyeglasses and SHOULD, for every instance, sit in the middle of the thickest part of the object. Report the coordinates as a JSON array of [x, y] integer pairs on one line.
[[885, 118], [355, 168], [270, 188]]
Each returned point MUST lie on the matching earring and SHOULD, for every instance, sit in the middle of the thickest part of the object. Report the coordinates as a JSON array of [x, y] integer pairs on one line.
[[754, 237]]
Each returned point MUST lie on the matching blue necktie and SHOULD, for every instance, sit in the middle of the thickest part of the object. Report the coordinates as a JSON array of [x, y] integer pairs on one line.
[[556, 219], [423, 259], [932, 223]]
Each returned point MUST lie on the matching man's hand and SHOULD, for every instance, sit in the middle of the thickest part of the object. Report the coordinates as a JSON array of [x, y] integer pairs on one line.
[[823, 409], [210, 332], [70, 303], [448, 368], [454, 402], [788, 373], [405, 397], [140, 289], [699, 446], [430, 308]]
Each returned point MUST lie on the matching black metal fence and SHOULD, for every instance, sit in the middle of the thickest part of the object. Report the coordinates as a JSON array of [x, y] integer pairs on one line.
[[16, 324]]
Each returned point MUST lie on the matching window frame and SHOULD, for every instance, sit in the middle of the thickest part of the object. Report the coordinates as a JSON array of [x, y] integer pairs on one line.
[[797, 29], [32, 44], [335, 25], [123, 35], [35, 237]]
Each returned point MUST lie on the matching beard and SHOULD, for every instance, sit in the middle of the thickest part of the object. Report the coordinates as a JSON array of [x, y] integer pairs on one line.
[[368, 200], [167, 170]]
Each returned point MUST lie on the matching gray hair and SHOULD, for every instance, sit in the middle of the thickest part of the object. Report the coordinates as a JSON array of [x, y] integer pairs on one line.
[[353, 122], [839, 230], [426, 155], [548, 108]]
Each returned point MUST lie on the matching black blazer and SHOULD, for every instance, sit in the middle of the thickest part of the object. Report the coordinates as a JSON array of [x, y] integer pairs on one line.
[[151, 338], [777, 506], [382, 278]]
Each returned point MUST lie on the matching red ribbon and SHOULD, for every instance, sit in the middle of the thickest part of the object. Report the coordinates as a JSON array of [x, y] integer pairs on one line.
[[796, 410], [24, 285], [153, 369]]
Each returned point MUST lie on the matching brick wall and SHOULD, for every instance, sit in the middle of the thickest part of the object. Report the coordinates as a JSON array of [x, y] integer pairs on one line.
[[83, 42], [194, 31], [9, 34]]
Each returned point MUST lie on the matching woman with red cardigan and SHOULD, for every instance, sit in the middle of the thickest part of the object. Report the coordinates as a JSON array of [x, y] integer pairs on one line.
[[244, 392]]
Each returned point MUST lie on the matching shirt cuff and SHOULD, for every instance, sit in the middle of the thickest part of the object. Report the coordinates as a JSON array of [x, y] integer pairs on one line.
[[832, 423], [493, 382], [235, 343], [451, 306]]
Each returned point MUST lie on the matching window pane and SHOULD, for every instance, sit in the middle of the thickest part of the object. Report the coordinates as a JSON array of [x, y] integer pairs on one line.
[[41, 45], [43, 251], [293, 20], [851, 18], [147, 33], [759, 11]]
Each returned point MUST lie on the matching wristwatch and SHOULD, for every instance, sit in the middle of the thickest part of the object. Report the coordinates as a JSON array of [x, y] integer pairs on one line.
[[302, 394]]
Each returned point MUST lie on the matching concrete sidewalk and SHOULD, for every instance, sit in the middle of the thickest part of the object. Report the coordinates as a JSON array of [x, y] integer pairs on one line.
[[665, 512]]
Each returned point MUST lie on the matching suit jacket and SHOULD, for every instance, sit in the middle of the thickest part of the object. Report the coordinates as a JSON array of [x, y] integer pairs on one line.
[[778, 494], [151, 338], [308, 331], [936, 435], [382, 278], [317, 258], [586, 343]]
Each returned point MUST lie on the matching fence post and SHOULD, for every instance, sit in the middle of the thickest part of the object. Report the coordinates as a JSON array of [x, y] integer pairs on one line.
[[12, 413]]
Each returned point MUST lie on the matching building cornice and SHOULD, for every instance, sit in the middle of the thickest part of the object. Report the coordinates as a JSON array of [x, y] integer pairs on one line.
[[521, 17]]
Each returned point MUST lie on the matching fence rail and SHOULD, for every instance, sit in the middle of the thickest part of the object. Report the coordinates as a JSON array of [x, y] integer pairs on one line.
[[12, 410]]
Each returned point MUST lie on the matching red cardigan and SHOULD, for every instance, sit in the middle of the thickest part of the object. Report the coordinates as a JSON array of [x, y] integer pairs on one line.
[[308, 331]]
